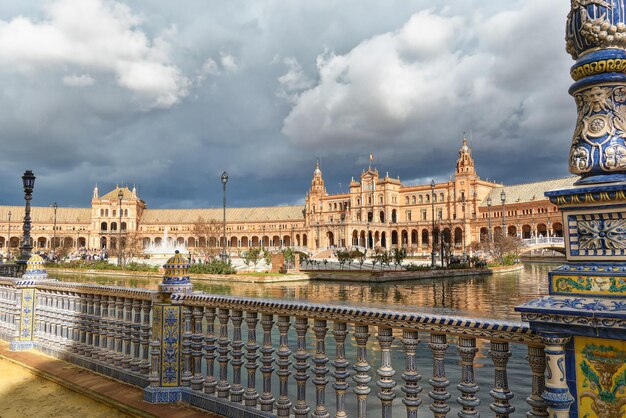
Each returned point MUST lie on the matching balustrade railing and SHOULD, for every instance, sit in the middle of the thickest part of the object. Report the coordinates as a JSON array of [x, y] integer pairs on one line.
[[287, 358]]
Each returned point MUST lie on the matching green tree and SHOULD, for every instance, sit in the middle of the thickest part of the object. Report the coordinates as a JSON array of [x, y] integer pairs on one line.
[[399, 254]]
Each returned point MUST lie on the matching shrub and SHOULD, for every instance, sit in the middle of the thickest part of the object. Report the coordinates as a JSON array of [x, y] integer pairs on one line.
[[415, 267], [214, 266]]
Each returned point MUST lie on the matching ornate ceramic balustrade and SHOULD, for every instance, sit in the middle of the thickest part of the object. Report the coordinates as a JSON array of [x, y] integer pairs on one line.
[[253, 357], [294, 344], [104, 328]]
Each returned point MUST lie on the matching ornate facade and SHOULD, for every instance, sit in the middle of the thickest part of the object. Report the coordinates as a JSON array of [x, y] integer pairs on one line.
[[377, 211]]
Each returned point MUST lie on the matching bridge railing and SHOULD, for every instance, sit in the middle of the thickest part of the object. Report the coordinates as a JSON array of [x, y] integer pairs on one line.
[[232, 351], [544, 240]]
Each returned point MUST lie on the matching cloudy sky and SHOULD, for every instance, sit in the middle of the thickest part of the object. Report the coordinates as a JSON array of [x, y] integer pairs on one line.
[[166, 95]]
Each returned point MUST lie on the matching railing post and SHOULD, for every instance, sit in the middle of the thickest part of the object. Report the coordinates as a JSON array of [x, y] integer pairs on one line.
[[501, 394], [223, 386], [267, 349], [341, 364], [197, 380], [185, 379], [537, 361], [556, 394], [362, 368], [283, 404], [251, 395], [320, 370], [236, 391], [468, 386], [439, 382], [209, 351], [301, 409], [411, 377], [386, 372]]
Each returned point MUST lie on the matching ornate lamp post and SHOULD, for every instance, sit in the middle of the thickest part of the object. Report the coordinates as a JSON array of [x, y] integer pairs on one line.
[[432, 241], [9, 243], [224, 179], [54, 229], [489, 218], [28, 181], [503, 199], [120, 196]]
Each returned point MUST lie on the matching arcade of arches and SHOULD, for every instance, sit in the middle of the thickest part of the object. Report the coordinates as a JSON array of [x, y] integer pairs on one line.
[[376, 211]]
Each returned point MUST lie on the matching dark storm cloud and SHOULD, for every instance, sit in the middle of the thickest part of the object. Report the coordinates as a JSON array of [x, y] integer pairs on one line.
[[167, 97]]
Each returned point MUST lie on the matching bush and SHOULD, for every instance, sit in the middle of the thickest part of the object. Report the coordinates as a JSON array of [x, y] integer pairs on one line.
[[214, 266], [104, 265], [415, 267]]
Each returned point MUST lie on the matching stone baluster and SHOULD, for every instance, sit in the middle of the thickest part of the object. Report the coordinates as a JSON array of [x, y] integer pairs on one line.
[[301, 409], [341, 364], [537, 362], [362, 368], [501, 394], [319, 369], [146, 360], [236, 391], [76, 321], [136, 336], [155, 360], [209, 351], [83, 322], [468, 386], [439, 382], [111, 331], [185, 379], [197, 381], [411, 387], [223, 387], [96, 324], [119, 331], [127, 335], [283, 404], [103, 328], [267, 399], [386, 372], [88, 327], [251, 395], [556, 393]]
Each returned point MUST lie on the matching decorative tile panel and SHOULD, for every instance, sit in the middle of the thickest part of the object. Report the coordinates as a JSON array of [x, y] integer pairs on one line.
[[170, 346], [597, 235], [604, 285], [600, 377], [27, 314]]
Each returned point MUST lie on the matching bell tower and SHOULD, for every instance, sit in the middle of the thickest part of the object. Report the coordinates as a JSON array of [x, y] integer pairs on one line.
[[465, 163]]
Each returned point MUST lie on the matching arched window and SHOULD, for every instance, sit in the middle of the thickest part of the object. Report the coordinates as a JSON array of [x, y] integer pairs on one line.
[[441, 197], [427, 198], [413, 199], [406, 200], [434, 198], [380, 198], [103, 226]]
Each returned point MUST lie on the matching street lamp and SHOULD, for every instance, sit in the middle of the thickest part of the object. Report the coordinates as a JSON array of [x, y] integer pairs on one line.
[[120, 196], [28, 181], [489, 218], [54, 229], [503, 199], [432, 202], [224, 179], [9, 245]]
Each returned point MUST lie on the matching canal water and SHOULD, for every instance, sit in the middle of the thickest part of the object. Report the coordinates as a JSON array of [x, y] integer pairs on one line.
[[479, 296]]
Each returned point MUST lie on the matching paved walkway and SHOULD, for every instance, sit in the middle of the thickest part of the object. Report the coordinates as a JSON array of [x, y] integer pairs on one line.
[[109, 397]]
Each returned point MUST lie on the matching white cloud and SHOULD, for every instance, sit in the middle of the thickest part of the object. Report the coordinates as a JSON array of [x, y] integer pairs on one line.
[[436, 75], [82, 80], [99, 36], [294, 81], [228, 62]]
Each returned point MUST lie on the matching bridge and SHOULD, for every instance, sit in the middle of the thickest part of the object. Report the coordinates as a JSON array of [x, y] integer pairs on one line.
[[543, 243]]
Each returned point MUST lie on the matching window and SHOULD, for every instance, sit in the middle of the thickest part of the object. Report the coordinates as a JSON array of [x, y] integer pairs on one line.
[[408, 215], [441, 197], [423, 217], [435, 197], [406, 200], [440, 214], [413, 199]]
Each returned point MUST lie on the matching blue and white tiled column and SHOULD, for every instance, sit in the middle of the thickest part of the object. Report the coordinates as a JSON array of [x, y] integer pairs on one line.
[[583, 319], [167, 330]]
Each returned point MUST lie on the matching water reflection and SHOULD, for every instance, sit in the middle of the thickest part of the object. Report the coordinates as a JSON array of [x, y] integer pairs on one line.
[[478, 296]]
